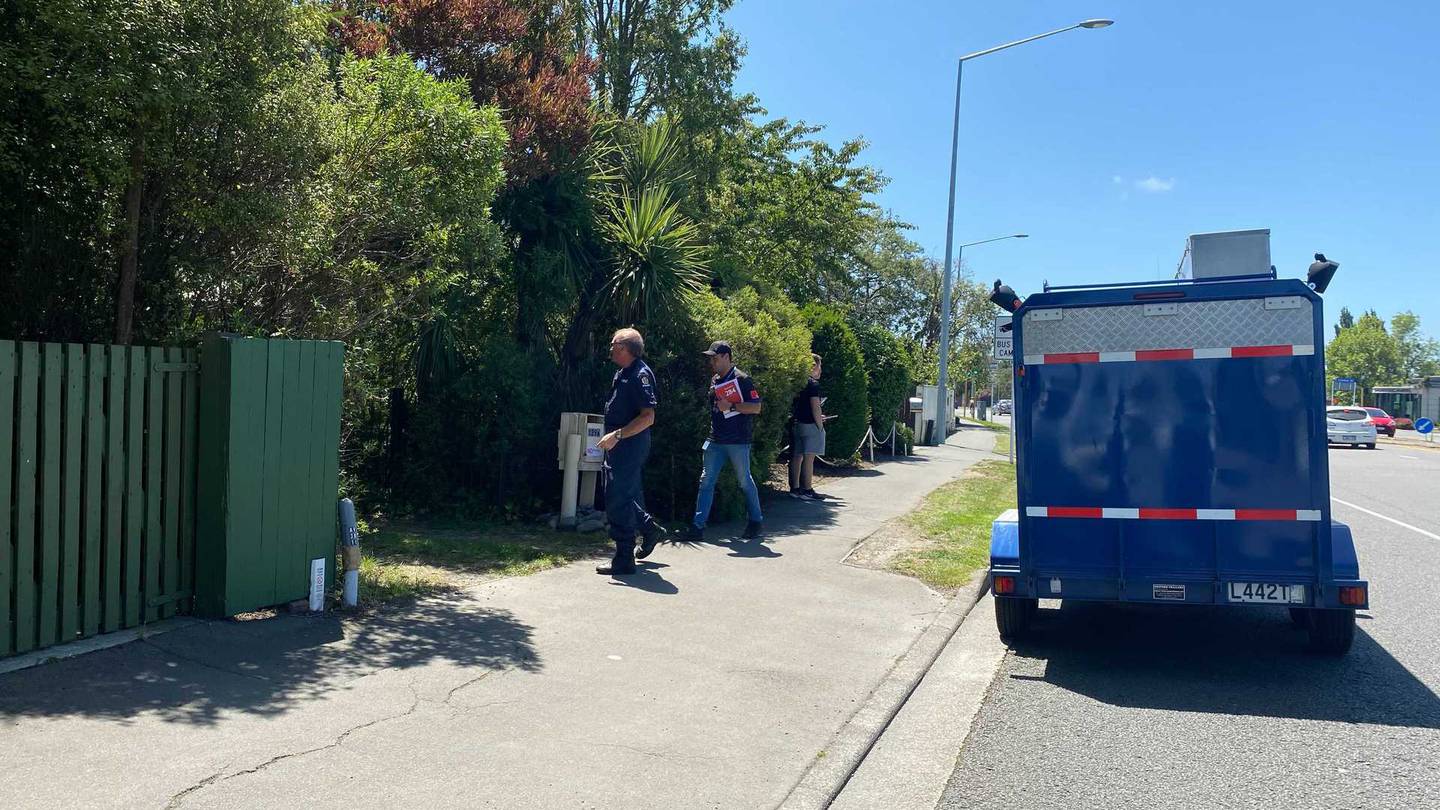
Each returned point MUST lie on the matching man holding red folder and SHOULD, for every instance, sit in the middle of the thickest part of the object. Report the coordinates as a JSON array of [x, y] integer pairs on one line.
[[734, 401]]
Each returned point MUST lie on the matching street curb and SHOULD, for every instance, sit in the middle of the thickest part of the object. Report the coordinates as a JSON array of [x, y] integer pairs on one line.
[[93, 644], [841, 758]]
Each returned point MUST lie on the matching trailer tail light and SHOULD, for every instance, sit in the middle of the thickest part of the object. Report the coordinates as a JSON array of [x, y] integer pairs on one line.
[[1352, 595], [1004, 585]]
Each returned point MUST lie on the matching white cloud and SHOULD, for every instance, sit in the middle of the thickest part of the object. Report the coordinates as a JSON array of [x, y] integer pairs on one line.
[[1117, 180], [1155, 185]]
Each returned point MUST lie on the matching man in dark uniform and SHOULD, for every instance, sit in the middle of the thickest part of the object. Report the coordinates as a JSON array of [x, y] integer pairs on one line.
[[734, 402], [629, 413]]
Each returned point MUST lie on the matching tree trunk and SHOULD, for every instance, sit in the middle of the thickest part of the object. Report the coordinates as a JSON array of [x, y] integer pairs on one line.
[[130, 256]]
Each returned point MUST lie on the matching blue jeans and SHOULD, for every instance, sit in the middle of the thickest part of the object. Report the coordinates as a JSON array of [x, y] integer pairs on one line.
[[715, 457]]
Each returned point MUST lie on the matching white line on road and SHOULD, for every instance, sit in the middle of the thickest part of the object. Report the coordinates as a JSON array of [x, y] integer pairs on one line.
[[1430, 535]]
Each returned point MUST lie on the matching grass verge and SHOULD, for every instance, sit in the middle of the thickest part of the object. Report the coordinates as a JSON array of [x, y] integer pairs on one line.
[[954, 523], [986, 423], [1002, 444], [409, 560]]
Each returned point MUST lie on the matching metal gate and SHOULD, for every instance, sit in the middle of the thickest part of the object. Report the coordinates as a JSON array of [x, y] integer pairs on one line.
[[97, 489]]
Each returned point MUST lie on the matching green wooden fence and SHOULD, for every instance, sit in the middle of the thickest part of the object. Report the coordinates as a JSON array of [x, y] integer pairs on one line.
[[98, 460], [269, 458]]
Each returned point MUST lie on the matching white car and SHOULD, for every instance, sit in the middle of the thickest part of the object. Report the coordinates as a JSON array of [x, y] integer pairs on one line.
[[1349, 424]]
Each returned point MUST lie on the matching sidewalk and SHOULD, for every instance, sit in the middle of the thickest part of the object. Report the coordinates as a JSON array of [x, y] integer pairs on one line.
[[713, 679], [1409, 438]]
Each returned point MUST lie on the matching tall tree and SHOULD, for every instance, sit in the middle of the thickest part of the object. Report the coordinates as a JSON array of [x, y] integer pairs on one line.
[[1364, 352], [1419, 353], [1346, 320], [657, 56], [519, 55]]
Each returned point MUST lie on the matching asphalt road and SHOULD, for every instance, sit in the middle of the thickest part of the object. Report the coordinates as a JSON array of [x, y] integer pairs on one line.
[[1211, 707]]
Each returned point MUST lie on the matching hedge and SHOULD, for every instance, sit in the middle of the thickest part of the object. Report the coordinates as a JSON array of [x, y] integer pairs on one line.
[[843, 381]]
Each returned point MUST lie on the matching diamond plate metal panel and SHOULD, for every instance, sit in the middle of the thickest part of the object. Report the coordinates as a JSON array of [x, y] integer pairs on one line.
[[1196, 325]]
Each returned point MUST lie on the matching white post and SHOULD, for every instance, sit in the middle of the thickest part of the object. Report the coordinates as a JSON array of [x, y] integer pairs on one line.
[[1012, 427], [570, 486]]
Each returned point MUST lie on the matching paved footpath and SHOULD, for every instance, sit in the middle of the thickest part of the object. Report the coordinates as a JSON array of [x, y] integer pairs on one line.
[[713, 679]]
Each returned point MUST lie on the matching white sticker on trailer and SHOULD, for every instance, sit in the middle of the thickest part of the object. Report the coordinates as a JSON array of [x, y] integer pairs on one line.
[[1171, 593]]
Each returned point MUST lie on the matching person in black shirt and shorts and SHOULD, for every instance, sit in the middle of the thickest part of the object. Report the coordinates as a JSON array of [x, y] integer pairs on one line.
[[808, 439]]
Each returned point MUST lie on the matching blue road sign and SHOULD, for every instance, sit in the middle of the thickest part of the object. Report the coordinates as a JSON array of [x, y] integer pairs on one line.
[[1424, 425]]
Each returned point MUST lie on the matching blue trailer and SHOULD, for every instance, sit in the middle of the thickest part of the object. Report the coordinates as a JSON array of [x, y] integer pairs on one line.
[[1171, 449]]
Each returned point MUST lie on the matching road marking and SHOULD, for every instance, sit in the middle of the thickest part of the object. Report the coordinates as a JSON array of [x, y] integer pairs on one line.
[[1430, 535], [1412, 458]]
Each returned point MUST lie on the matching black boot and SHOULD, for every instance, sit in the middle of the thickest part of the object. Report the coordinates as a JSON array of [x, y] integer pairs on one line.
[[752, 530], [654, 536]]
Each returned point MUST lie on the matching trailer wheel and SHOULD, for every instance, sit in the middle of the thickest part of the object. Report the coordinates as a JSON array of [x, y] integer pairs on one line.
[[1332, 631], [1370, 446], [1300, 617], [1012, 616]]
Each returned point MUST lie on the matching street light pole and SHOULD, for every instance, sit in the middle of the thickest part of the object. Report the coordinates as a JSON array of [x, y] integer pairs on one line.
[[945, 311], [946, 286]]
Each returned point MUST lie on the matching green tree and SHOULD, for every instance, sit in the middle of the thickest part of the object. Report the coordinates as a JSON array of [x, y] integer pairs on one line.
[[1419, 353], [115, 115], [659, 56], [1346, 320], [1364, 352], [793, 223], [846, 384]]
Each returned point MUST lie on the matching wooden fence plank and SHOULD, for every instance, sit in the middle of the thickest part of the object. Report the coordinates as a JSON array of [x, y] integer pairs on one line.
[[7, 459], [134, 483], [90, 597], [154, 543], [28, 448], [71, 490], [314, 490], [299, 380], [250, 574], [190, 393], [170, 569], [50, 458], [270, 497], [329, 373], [113, 540]]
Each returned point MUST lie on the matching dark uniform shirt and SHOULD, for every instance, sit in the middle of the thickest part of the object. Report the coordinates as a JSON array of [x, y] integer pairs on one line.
[[803, 411], [632, 391], [736, 429]]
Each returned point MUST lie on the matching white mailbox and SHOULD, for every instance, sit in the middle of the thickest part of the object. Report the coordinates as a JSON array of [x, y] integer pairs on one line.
[[580, 457], [589, 427]]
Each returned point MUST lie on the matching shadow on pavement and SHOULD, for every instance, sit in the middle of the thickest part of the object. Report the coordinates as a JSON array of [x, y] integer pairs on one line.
[[647, 578], [267, 667], [751, 549], [1226, 661]]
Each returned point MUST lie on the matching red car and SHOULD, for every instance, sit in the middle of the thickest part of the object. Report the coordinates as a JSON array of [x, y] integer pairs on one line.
[[1384, 423]]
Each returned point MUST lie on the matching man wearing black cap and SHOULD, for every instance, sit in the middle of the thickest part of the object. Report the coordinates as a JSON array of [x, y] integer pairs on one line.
[[734, 401]]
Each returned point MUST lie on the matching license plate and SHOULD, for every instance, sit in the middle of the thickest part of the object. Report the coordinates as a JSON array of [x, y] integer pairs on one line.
[[1267, 592]]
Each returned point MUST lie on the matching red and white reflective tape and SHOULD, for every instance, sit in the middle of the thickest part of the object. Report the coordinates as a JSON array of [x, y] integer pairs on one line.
[[1144, 513], [1284, 350]]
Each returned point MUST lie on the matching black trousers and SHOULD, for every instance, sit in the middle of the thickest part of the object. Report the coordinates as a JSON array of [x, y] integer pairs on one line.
[[625, 496]]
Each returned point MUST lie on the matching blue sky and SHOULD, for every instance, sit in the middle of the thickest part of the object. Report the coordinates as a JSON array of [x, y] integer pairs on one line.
[[1318, 120]]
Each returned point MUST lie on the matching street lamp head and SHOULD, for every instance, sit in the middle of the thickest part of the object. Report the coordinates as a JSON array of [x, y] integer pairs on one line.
[[1097, 23], [1021, 236]]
